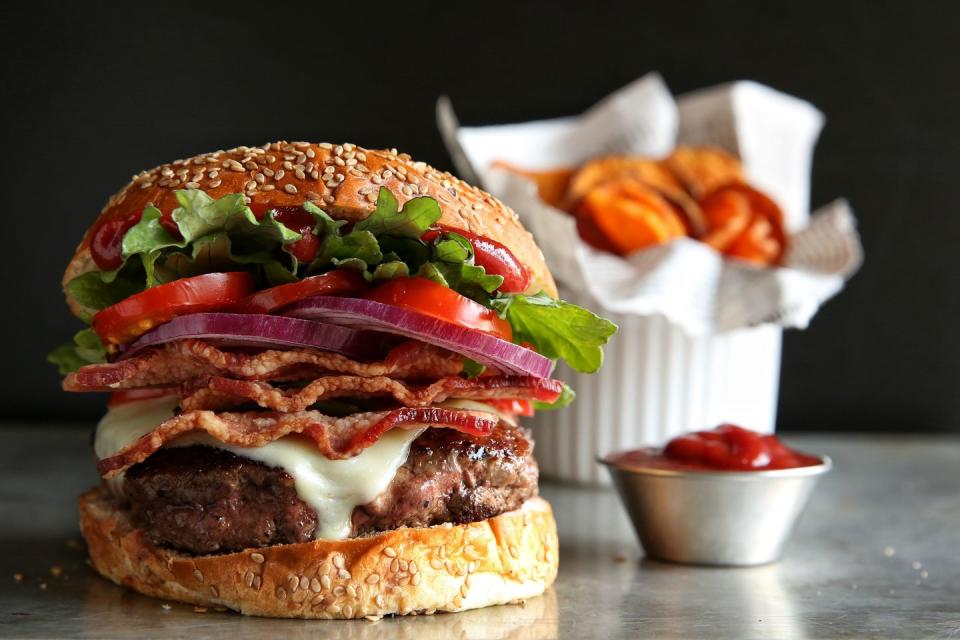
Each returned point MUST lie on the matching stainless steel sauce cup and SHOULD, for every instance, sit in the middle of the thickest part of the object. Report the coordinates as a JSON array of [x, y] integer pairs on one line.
[[734, 518]]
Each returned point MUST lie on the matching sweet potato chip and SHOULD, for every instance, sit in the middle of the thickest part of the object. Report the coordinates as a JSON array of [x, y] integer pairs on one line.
[[745, 223], [642, 170], [551, 183], [703, 169], [630, 215]]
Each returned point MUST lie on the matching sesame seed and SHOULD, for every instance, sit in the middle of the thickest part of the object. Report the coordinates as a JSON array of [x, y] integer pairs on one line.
[[315, 174], [344, 574], [380, 601], [301, 144], [464, 589], [289, 188], [214, 592], [338, 150], [373, 578], [250, 185], [260, 178], [333, 609], [304, 582], [281, 593], [352, 591], [404, 565], [268, 171], [325, 581], [311, 153], [294, 583], [339, 161], [233, 165], [300, 175], [268, 187], [279, 174], [390, 552], [375, 179], [457, 602], [339, 590], [348, 146], [415, 580], [288, 165], [315, 585], [248, 578], [325, 145], [347, 611], [394, 566], [198, 575], [339, 177]]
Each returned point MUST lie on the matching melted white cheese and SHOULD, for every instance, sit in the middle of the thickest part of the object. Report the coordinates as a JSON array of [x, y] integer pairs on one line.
[[333, 488]]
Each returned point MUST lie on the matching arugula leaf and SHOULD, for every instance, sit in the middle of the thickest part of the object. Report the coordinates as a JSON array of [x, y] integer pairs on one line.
[[566, 397], [85, 349], [557, 329], [469, 280], [387, 219], [453, 247], [472, 368], [392, 269], [93, 294]]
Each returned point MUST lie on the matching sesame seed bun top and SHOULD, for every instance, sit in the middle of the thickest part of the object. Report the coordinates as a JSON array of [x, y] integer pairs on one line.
[[342, 179]]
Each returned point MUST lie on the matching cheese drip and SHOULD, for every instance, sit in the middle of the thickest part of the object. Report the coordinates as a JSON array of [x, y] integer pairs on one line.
[[332, 488]]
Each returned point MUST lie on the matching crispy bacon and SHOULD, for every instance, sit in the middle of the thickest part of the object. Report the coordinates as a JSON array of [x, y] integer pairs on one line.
[[218, 393], [336, 438], [181, 361]]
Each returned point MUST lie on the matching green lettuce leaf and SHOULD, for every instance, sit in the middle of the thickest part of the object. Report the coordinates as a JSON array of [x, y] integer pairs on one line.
[[557, 329], [85, 349], [387, 219], [93, 294], [566, 397], [472, 368]]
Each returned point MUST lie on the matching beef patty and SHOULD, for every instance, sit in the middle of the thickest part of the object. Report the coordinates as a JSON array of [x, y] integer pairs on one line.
[[204, 500]]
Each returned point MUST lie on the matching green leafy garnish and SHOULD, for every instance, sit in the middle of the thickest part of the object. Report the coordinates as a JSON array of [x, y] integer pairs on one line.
[[472, 368], [85, 349], [566, 397], [417, 215], [557, 329]]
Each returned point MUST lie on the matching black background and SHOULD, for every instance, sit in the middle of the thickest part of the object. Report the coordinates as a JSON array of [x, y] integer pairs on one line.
[[93, 93]]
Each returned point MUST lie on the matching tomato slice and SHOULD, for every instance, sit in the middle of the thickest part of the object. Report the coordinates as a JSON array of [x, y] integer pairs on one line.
[[341, 281], [514, 406], [437, 301], [495, 258], [134, 316], [127, 396]]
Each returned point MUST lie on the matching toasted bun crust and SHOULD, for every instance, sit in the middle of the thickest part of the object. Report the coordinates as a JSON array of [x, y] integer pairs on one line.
[[342, 179], [507, 558]]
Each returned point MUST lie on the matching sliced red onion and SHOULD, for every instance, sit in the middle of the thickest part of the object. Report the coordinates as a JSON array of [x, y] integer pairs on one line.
[[260, 331], [376, 316]]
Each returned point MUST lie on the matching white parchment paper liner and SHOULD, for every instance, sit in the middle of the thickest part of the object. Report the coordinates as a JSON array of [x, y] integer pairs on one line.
[[685, 281]]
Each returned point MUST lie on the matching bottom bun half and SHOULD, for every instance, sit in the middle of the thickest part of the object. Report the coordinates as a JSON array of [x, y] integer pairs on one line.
[[507, 558]]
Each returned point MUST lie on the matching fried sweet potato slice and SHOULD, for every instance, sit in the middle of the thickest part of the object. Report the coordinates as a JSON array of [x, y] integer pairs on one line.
[[630, 215], [703, 169], [745, 223]]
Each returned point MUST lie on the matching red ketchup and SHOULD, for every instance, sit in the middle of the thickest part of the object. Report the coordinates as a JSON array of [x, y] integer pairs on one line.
[[726, 448]]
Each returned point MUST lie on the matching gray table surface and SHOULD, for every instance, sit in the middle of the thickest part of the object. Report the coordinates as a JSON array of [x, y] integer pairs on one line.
[[875, 555]]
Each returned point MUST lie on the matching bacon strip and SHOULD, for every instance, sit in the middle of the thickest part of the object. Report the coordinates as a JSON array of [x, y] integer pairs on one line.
[[219, 393], [336, 438], [180, 361]]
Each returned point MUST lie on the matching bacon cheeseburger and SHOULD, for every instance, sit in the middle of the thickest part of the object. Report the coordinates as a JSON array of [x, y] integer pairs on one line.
[[317, 356]]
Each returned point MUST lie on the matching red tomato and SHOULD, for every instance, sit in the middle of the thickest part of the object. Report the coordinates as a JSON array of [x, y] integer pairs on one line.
[[107, 240], [435, 300], [127, 396], [495, 258], [304, 249], [341, 281], [513, 406], [130, 318]]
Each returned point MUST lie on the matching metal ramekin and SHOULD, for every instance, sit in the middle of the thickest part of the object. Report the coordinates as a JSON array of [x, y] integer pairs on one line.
[[733, 518]]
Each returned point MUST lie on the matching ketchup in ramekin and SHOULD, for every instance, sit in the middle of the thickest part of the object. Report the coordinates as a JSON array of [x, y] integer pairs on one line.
[[726, 448]]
